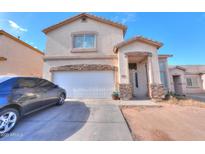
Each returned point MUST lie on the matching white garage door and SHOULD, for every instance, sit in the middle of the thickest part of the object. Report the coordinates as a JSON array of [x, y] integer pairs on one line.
[[86, 84]]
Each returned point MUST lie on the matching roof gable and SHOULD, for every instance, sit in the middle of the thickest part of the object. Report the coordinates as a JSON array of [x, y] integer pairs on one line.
[[83, 15], [140, 39], [177, 67], [2, 32], [180, 68]]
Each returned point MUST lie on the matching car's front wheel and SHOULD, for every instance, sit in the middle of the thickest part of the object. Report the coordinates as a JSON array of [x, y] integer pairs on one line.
[[61, 99], [8, 119]]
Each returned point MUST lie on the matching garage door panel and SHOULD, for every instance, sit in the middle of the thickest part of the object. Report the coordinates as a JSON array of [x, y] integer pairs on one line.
[[93, 84]]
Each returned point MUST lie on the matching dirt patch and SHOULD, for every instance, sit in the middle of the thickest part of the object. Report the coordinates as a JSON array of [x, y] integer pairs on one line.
[[160, 135], [166, 123]]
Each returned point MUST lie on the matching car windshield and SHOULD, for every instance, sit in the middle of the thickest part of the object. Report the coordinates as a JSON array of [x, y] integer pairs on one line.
[[4, 78]]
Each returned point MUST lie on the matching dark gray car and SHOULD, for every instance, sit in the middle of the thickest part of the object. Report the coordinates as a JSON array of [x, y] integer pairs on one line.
[[20, 96]]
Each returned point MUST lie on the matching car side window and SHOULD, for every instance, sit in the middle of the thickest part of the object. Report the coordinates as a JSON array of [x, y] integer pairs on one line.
[[45, 84], [26, 83]]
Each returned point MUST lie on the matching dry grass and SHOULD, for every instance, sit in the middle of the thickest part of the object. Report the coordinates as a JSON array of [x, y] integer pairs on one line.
[[184, 102]]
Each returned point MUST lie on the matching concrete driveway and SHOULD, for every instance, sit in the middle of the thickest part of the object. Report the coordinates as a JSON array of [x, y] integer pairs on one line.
[[198, 97], [73, 121]]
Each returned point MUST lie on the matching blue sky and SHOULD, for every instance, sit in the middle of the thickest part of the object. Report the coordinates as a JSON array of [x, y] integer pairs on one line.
[[183, 34]]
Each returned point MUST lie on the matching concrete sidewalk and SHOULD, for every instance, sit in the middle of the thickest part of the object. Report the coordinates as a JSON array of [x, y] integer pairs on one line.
[[147, 102]]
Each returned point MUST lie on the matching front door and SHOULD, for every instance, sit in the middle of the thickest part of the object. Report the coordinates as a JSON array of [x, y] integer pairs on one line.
[[138, 78]]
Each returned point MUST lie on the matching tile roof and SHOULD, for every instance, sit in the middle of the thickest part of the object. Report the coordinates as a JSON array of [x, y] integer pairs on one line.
[[164, 55], [138, 38], [96, 18]]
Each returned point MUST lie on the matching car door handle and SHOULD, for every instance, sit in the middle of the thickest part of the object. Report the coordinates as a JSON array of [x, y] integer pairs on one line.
[[28, 96]]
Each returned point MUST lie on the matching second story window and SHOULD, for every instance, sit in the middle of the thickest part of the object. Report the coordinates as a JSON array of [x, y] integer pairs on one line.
[[84, 41]]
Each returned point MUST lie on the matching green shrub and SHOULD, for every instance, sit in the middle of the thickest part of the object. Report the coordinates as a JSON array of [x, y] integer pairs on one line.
[[115, 93]]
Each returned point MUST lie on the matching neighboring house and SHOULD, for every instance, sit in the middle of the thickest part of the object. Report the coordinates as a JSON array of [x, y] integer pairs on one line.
[[18, 57], [187, 79], [88, 56], [182, 79]]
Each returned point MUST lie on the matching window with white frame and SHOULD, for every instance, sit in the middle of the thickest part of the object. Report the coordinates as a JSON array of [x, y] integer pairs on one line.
[[84, 41], [192, 82]]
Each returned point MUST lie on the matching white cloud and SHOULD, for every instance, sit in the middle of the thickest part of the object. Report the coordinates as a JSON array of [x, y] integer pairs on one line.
[[16, 26], [116, 18], [125, 18], [130, 17]]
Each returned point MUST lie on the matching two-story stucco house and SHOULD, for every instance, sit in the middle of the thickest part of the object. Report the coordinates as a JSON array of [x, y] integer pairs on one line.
[[88, 56], [18, 57]]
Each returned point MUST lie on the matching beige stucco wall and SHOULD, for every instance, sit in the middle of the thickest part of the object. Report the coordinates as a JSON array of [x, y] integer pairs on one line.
[[59, 41], [153, 72], [21, 60]]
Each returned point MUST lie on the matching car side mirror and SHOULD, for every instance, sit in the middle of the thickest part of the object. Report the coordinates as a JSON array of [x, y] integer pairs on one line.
[[56, 86]]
